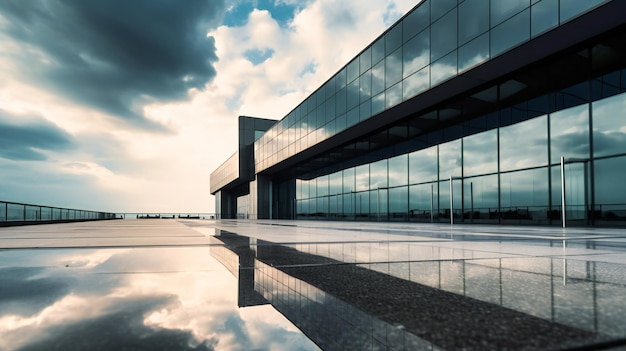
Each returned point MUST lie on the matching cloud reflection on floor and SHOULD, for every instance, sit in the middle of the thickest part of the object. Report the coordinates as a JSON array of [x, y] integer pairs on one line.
[[142, 298]]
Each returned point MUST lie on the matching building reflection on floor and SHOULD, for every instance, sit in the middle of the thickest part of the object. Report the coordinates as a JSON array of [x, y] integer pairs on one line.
[[367, 296]]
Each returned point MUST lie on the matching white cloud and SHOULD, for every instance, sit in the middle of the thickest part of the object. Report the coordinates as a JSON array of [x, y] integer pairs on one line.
[[158, 172]]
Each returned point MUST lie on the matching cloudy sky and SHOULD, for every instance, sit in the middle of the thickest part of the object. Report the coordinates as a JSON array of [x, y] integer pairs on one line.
[[128, 106]]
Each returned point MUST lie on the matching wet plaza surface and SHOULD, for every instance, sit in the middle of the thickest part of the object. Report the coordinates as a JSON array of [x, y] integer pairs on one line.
[[303, 285]]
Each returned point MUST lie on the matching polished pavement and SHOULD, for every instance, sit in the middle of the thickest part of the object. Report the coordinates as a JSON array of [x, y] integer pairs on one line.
[[352, 285]]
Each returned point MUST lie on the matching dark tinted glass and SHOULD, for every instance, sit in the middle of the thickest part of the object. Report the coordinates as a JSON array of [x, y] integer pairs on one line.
[[365, 60], [393, 68], [572, 8], [443, 36], [393, 39], [502, 10], [510, 33], [416, 53], [439, 7], [378, 50], [474, 52], [544, 16], [473, 19], [416, 21], [353, 70]]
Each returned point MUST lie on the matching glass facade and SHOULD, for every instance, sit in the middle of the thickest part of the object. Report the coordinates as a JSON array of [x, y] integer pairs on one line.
[[226, 173], [509, 174], [384, 140], [434, 42]]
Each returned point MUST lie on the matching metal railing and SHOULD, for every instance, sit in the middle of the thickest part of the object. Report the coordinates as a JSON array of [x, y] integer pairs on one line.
[[165, 215], [15, 213]]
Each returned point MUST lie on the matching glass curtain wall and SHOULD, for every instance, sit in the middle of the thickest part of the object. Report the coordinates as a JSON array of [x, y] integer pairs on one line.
[[510, 174], [434, 42]]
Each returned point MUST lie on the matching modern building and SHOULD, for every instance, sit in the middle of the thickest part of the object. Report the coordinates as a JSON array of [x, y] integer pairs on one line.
[[474, 111]]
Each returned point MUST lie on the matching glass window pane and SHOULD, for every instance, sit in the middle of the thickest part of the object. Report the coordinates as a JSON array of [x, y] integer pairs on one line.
[[473, 19], [480, 153], [398, 202], [443, 69], [378, 104], [399, 170], [393, 95], [362, 204], [544, 16], [340, 123], [416, 21], [348, 205], [330, 109], [335, 183], [416, 53], [524, 145], [378, 174], [322, 206], [510, 33], [443, 36], [365, 60], [575, 190], [569, 133], [524, 189], [503, 10], [393, 68], [348, 180], [610, 188], [340, 79], [378, 204], [474, 52], [333, 205], [340, 101], [378, 78], [450, 161], [440, 7], [480, 196], [352, 117], [444, 199], [353, 70], [609, 126], [362, 177], [365, 110], [3, 212], [365, 86], [572, 8], [421, 198], [378, 50], [393, 38], [416, 83], [353, 94], [423, 165], [312, 188]]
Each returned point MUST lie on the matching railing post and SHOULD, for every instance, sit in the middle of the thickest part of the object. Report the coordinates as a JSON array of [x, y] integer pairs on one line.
[[563, 203], [451, 203], [432, 200]]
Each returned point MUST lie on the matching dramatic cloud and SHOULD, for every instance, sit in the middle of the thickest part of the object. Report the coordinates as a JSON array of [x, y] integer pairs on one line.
[[115, 56], [98, 78], [23, 137], [23, 293], [121, 329]]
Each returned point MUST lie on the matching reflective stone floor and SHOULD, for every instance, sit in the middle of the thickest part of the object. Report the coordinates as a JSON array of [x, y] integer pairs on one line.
[[303, 285]]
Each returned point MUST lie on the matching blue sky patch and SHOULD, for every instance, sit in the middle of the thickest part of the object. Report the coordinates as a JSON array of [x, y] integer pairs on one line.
[[258, 56], [238, 14]]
